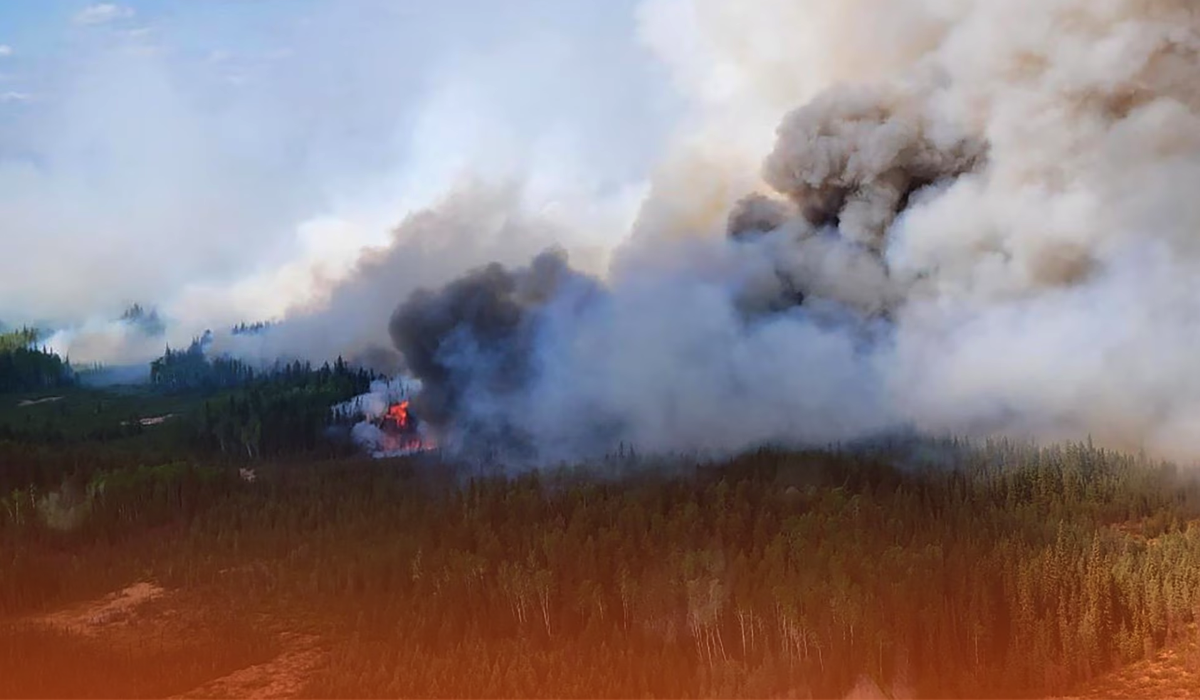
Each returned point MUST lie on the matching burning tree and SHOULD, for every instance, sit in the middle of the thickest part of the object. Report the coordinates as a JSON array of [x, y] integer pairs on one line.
[[399, 431]]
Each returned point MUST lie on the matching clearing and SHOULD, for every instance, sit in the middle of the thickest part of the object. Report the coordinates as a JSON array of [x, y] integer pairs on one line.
[[34, 402], [148, 641]]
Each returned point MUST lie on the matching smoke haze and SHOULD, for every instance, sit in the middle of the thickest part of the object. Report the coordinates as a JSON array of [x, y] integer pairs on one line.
[[981, 225], [230, 163], [788, 222]]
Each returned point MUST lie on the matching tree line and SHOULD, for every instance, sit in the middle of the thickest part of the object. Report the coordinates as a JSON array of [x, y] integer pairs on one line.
[[24, 366], [286, 412]]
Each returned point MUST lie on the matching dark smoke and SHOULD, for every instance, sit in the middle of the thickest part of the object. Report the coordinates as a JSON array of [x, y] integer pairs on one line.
[[472, 343], [848, 165], [757, 214], [987, 229]]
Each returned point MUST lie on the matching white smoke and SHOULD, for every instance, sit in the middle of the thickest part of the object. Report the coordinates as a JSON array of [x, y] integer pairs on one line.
[[366, 410], [231, 167], [383, 394], [963, 216], [474, 225], [985, 208], [107, 343]]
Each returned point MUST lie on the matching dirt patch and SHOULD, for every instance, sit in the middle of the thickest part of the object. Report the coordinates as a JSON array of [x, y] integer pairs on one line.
[[147, 641], [154, 420], [157, 420], [34, 402], [282, 677], [153, 623], [97, 617]]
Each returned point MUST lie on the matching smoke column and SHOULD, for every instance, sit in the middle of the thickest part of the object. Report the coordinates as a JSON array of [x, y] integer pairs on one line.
[[978, 218]]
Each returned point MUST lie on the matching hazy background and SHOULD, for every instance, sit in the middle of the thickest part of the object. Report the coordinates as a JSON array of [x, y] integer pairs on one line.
[[988, 208], [221, 159]]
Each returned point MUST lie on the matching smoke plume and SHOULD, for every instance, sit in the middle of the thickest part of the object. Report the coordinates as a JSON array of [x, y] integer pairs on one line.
[[967, 217], [472, 342], [231, 164], [978, 220]]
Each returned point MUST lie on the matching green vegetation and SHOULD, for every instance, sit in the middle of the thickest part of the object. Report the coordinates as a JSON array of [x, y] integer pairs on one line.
[[1015, 572], [18, 339], [948, 570], [26, 367], [192, 370], [282, 413], [252, 328], [146, 320]]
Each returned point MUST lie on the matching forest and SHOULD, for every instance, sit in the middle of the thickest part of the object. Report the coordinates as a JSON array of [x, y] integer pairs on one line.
[[921, 568], [25, 366], [1017, 571], [229, 405]]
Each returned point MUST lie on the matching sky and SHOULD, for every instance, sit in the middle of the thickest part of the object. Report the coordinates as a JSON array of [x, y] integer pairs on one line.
[[209, 157]]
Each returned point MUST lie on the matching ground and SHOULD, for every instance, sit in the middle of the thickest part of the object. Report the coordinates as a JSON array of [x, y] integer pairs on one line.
[[1173, 673], [169, 637], [78, 411], [183, 611], [144, 610]]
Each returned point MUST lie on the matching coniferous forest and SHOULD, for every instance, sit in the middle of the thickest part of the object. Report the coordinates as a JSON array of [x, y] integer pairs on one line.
[[911, 568], [922, 569], [591, 349], [25, 366]]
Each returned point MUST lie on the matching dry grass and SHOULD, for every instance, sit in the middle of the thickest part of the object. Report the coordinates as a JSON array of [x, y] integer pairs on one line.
[[1172, 673]]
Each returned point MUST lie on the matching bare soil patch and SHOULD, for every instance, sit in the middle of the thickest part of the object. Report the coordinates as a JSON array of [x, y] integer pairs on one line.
[[98, 617], [284, 676], [147, 641], [153, 420], [34, 402]]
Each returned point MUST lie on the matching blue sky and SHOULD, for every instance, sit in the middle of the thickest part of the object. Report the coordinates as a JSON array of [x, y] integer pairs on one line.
[[41, 27], [168, 151]]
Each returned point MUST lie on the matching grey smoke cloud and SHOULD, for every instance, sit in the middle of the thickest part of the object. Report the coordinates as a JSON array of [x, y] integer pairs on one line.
[[472, 343], [852, 157], [969, 217], [981, 224], [474, 225]]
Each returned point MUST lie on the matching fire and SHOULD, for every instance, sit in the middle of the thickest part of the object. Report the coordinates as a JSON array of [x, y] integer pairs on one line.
[[399, 413], [402, 433]]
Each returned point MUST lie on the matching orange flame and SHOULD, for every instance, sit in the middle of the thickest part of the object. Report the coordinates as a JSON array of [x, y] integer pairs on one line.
[[400, 435], [399, 413]]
